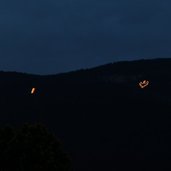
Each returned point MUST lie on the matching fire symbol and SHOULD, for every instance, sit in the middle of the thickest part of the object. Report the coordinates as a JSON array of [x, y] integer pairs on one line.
[[33, 90], [144, 83]]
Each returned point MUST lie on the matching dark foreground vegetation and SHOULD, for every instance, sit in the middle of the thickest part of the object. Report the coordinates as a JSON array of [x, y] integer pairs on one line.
[[104, 119], [31, 148]]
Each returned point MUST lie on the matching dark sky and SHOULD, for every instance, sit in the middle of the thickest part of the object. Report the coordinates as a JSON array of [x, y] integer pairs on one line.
[[52, 36]]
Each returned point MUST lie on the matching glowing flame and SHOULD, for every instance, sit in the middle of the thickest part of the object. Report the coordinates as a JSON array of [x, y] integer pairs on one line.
[[33, 90], [144, 83]]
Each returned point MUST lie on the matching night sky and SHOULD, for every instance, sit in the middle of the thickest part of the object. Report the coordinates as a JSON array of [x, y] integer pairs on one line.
[[53, 36]]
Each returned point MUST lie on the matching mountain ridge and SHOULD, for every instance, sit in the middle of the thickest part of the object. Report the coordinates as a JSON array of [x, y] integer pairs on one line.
[[102, 115]]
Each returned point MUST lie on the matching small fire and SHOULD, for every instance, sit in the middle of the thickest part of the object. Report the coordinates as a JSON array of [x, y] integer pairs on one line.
[[33, 90], [144, 83]]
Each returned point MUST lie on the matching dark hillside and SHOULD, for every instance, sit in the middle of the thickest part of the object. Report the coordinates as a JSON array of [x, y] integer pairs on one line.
[[106, 121]]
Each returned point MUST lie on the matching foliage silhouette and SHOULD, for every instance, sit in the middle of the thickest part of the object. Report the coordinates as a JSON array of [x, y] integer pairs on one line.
[[32, 147]]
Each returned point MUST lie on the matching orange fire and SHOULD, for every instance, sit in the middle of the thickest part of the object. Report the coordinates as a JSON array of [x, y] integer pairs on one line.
[[33, 90], [144, 83]]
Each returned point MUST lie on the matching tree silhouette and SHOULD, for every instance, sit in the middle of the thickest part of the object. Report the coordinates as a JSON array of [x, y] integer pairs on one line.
[[30, 148]]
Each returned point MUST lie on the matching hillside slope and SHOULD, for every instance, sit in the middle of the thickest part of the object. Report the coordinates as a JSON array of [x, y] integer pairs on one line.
[[106, 121]]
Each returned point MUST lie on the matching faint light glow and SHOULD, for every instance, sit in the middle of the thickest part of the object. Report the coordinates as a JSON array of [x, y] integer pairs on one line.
[[33, 90], [144, 83]]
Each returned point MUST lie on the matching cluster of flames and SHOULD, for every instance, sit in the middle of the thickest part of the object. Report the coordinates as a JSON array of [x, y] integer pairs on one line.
[[142, 84]]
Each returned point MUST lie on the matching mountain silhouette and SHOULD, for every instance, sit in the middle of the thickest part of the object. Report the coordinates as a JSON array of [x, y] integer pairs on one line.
[[104, 118]]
